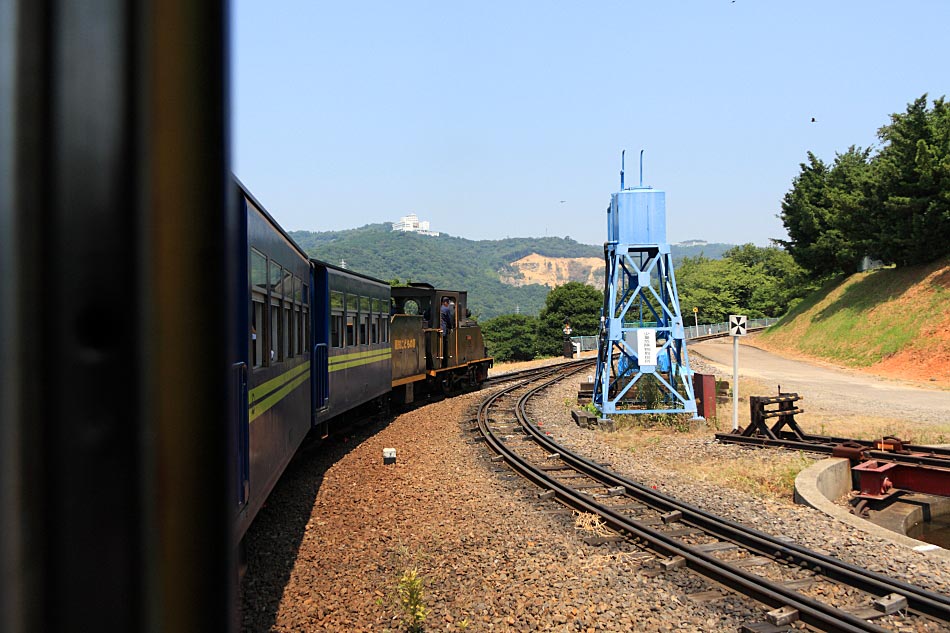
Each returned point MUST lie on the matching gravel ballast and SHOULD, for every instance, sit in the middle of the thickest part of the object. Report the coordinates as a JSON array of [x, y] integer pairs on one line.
[[328, 550]]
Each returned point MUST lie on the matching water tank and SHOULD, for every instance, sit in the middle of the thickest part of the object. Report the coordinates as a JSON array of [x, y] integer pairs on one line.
[[637, 216]]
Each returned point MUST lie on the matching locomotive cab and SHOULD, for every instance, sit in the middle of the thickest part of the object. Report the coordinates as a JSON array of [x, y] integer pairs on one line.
[[446, 344]]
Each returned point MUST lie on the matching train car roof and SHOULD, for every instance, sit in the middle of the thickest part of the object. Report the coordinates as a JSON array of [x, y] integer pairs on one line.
[[270, 218], [346, 271]]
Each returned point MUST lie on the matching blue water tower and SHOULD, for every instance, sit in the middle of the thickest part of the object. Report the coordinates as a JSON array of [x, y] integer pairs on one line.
[[642, 363]]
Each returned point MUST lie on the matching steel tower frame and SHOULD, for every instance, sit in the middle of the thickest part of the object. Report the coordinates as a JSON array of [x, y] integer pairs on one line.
[[641, 309]]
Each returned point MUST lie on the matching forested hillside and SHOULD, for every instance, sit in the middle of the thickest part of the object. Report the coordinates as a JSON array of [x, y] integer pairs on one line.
[[454, 262]]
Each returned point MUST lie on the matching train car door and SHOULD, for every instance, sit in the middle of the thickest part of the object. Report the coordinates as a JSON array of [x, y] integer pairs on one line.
[[320, 327]]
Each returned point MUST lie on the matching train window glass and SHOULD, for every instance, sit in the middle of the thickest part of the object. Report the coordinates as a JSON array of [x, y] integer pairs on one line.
[[337, 304], [305, 327], [295, 329], [385, 330], [257, 332], [296, 346], [364, 333], [274, 277], [285, 339], [287, 285], [274, 340], [410, 307], [350, 330], [306, 295], [258, 266], [336, 335], [366, 305], [374, 334]]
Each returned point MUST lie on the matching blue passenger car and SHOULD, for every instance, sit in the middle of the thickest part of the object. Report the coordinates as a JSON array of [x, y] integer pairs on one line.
[[351, 319], [278, 302], [315, 344]]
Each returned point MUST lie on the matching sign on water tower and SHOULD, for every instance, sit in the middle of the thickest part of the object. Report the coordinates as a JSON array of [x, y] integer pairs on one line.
[[646, 348]]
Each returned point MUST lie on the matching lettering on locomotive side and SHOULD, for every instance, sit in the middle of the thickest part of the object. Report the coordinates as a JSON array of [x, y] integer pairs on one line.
[[404, 343]]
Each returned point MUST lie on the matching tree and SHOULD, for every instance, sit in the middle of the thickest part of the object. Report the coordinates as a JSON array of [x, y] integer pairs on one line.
[[749, 280], [511, 337], [573, 302], [823, 213], [893, 206], [911, 216]]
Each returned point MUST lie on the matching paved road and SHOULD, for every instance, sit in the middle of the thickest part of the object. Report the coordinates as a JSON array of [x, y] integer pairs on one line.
[[830, 389]]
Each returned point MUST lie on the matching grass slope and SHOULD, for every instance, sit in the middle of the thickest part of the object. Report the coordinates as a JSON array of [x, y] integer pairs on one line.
[[893, 322]]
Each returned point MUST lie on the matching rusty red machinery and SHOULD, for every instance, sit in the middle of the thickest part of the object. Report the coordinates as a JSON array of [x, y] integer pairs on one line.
[[884, 466]]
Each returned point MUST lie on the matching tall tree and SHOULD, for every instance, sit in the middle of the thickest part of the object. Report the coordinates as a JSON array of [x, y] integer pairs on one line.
[[912, 214], [824, 213], [575, 302]]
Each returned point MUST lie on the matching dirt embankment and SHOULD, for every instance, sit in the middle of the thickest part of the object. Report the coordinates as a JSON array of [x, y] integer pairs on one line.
[[892, 322]]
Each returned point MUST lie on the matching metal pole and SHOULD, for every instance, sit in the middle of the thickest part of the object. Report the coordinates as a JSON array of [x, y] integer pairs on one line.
[[735, 383]]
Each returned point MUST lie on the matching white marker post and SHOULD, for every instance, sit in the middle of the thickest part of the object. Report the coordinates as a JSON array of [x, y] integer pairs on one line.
[[737, 328]]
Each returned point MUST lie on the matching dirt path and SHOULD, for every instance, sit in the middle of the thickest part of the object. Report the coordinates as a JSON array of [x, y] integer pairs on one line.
[[826, 388]]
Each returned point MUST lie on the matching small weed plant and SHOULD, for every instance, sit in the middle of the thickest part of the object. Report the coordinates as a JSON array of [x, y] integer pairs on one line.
[[411, 601]]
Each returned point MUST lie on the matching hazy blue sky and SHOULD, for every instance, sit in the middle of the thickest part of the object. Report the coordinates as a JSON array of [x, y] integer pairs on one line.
[[483, 116]]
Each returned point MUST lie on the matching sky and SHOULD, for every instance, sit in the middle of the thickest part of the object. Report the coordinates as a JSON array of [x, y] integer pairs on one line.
[[507, 119]]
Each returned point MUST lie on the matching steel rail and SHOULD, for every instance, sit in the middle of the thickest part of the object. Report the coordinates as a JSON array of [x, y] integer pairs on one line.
[[932, 603], [536, 371], [812, 612], [919, 455]]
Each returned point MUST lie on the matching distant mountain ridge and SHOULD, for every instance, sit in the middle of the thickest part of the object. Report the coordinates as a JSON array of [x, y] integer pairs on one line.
[[496, 273]]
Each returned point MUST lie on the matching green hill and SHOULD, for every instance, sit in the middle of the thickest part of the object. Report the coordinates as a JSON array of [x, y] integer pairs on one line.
[[893, 322], [453, 262]]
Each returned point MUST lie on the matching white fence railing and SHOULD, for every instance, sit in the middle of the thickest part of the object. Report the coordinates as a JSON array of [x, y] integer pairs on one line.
[[588, 343]]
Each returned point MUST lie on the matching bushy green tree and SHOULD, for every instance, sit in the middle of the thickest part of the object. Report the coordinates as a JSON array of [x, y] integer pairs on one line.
[[751, 280], [573, 302], [824, 213], [893, 206], [912, 214], [511, 337]]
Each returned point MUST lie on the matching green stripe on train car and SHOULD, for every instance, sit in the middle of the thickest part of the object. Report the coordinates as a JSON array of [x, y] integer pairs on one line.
[[364, 358], [261, 407], [275, 383]]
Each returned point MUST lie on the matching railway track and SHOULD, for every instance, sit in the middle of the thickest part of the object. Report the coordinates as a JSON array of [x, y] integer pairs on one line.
[[782, 575], [524, 374], [879, 449]]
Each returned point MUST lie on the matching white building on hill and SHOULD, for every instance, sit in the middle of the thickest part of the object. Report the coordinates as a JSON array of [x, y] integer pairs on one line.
[[412, 224]]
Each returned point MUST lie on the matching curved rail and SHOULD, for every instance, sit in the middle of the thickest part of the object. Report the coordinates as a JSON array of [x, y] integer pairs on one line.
[[811, 611]]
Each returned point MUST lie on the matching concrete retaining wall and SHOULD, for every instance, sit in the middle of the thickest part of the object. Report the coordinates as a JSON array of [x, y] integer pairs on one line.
[[825, 481]]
